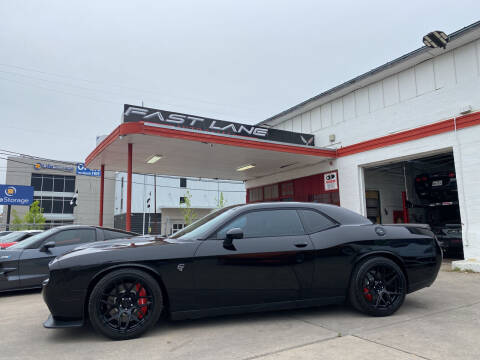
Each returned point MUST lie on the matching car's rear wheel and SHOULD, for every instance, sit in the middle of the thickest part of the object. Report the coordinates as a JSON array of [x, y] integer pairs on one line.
[[125, 303], [378, 287]]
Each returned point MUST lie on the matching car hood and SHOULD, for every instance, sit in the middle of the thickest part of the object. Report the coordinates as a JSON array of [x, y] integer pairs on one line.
[[133, 249]]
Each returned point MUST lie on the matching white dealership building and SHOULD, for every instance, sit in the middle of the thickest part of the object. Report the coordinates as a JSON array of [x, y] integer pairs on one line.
[[400, 143]]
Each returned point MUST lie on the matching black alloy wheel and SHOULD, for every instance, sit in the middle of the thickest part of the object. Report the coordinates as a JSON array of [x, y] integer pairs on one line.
[[125, 303], [378, 287]]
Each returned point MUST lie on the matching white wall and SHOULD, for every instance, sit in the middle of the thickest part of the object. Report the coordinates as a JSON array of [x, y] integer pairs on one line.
[[429, 92]]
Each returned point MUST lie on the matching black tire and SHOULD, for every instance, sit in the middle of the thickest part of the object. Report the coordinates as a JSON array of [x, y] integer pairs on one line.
[[378, 287], [125, 303]]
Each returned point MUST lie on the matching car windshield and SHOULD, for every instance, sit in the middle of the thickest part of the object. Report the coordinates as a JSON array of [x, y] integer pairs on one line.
[[32, 239], [196, 229]]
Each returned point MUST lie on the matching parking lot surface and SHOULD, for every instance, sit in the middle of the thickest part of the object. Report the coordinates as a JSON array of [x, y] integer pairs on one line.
[[440, 322]]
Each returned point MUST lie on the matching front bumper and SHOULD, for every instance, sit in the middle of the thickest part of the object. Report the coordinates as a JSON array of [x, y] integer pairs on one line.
[[52, 323]]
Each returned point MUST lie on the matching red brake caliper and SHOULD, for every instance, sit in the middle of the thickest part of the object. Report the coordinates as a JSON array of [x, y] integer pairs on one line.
[[367, 294], [141, 292]]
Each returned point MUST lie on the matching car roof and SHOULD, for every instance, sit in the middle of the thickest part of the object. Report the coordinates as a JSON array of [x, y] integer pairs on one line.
[[337, 213], [75, 226]]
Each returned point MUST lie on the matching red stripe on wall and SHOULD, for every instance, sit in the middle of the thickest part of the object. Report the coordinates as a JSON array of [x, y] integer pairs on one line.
[[414, 134]]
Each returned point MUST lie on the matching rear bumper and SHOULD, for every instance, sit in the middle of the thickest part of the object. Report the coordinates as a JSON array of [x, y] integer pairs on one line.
[[52, 323]]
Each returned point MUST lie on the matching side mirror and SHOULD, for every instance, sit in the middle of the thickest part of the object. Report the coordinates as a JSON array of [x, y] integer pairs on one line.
[[235, 233], [45, 247]]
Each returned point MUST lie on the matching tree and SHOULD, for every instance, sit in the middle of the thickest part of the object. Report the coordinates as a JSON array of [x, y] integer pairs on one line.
[[17, 223], [33, 219], [221, 202], [189, 214]]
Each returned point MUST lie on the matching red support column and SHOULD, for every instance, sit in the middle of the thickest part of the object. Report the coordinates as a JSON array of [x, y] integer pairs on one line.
[[129, 190], [102, 186]]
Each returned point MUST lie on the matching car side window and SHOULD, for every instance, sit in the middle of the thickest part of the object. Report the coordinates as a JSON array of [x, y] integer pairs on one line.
[[109, 235], [266, 223], [73, 237], [314, 221]]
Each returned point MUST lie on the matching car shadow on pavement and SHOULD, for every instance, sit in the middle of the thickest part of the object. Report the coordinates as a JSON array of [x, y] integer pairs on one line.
[[8, 294], [165, 325]]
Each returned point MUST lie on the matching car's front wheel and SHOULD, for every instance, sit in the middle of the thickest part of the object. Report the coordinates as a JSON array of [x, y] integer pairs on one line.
[[378, 287], [125, 303]]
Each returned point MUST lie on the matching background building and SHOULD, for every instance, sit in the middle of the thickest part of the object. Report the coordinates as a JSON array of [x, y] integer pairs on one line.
[[55, 183], [165, 214]]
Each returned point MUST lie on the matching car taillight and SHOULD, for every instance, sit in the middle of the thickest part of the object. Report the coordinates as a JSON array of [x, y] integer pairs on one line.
[[418, 179], [451, 175], [424, 178]]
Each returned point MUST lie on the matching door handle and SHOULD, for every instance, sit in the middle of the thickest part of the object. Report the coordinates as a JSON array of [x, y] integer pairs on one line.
[[301, 245]]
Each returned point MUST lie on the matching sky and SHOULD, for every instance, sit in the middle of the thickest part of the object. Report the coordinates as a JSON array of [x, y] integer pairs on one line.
[[67, 67]]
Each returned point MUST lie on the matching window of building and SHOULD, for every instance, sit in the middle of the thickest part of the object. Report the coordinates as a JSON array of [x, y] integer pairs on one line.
[[57, 183], [270, 192], [255, 194], [177, 227], [266, 223], [287, 189], [183, 182], [47, 183], [182, 199], [36, 182]]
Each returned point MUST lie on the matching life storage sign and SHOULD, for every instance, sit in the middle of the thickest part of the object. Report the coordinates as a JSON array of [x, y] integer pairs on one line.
[[330, 181], [16, 195]]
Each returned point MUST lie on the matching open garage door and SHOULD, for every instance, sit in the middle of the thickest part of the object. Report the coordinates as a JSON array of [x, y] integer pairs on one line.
[[419, 190]]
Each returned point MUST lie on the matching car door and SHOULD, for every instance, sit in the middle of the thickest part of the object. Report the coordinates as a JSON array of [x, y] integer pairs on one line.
[[271, 263], [33, 263], [332, 257]]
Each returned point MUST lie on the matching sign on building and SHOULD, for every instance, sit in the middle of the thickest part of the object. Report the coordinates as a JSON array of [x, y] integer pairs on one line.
[[330, 181], [82, 170], [158, 117], [16, 195], [40, 166]]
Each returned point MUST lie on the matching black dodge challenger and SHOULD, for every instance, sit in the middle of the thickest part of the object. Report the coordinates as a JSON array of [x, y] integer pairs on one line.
[[245, 258]]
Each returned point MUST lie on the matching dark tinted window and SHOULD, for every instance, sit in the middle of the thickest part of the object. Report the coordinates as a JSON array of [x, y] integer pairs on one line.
[[59, 183], [183, 182], [36, 182], [109, 234], [182, 199], [73, 237], [57, 205], [314, 221], [67, 208], [266, 223], [46, 205], [69, 183], [47, 183]]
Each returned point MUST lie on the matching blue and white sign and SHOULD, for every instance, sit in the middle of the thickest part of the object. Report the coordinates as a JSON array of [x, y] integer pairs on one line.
[[16, 195], [82, 170]]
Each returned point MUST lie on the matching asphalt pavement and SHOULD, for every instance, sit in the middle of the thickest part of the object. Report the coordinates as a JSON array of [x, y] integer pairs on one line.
[[440, 322]]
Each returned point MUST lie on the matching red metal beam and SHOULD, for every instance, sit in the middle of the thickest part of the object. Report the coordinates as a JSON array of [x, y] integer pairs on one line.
[[102, 186], [129, 189]]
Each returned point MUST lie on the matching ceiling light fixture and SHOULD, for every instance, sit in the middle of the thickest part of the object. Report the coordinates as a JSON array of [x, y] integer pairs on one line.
[[153, 159], [246, 167]]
